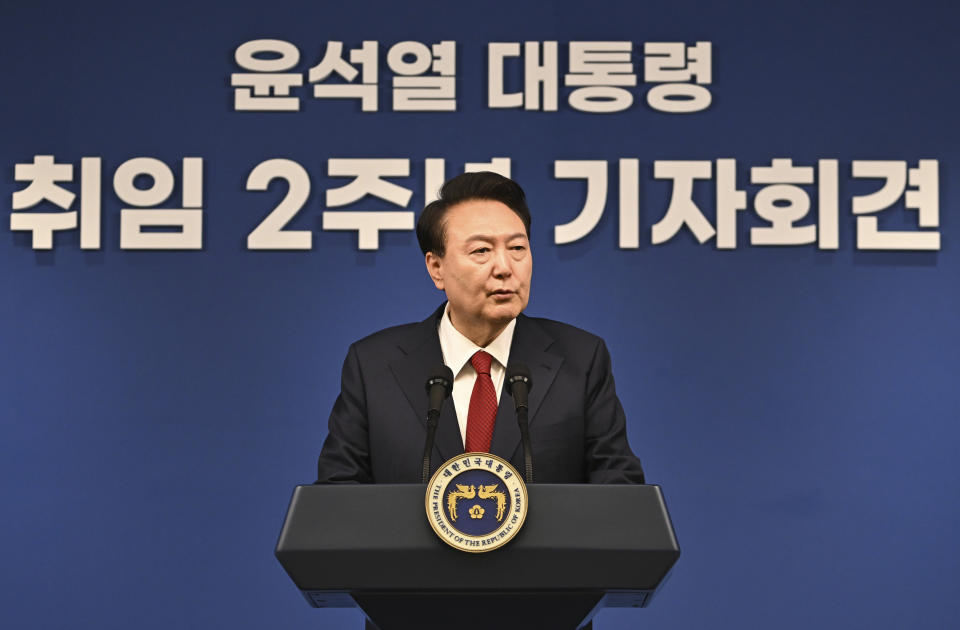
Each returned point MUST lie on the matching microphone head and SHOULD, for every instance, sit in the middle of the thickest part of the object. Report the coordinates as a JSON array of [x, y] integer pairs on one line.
[[518, 373], [441, 375]]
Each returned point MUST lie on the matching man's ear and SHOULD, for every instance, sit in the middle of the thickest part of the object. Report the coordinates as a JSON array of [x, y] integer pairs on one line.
[[435, 269]]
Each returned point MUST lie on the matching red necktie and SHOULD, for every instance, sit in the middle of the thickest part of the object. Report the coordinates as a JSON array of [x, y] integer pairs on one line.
[[483, 406]]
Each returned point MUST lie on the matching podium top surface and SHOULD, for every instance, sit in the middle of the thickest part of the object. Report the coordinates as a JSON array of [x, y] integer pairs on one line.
[[377, 537]]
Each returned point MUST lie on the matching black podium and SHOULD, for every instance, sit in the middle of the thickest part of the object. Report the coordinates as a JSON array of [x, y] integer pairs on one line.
[[582, 548]]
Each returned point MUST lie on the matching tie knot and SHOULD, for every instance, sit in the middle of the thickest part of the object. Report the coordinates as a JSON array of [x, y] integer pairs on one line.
[[481, 362]]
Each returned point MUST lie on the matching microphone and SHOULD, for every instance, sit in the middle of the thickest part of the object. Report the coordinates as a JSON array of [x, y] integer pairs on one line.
[[519, 384], [438, 386]]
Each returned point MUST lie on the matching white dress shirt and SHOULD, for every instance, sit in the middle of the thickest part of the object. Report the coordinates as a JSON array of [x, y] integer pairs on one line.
[[457, 351]]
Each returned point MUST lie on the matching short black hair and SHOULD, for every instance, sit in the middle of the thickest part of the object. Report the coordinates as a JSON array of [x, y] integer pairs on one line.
[[431, 228]]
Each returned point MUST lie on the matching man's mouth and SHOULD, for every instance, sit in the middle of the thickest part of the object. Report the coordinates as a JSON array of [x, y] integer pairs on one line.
[[501, 292]]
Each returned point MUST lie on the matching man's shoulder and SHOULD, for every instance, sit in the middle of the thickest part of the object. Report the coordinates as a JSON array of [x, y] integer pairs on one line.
[[561, 328], [402, 337], [413, 333], [391, 336], [565, 334]]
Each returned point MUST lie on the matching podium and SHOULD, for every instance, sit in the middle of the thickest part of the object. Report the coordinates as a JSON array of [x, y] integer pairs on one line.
[[582, 548]]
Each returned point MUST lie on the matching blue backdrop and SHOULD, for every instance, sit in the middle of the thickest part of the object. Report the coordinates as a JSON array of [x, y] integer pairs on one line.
[[798, 405]]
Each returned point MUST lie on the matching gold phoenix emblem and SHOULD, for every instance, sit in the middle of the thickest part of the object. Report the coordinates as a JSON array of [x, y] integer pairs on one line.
[[491, 528], [470, 492]]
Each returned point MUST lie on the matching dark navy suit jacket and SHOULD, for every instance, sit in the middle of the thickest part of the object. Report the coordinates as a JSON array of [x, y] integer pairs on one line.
[[577, 425]]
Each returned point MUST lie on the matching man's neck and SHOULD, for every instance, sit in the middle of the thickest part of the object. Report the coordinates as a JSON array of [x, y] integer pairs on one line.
[[482, 333]]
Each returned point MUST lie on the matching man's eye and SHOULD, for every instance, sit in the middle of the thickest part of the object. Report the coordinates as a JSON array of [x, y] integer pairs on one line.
[[481, 250], [519, 248]]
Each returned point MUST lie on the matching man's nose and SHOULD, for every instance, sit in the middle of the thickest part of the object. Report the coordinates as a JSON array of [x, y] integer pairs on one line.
[[501, 263]]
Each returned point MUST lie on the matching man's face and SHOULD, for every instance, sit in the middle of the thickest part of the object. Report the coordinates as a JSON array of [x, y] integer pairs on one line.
[[486, 268]]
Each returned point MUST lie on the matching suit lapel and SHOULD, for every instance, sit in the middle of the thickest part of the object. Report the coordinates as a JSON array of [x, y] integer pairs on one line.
[[421, 354], [529, 346]]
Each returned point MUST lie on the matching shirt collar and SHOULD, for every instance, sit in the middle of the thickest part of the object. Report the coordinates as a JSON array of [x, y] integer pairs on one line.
[[457, 349]]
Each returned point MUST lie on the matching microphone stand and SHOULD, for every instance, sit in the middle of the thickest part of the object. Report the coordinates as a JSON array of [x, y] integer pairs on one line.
[[439, 386], [520, 384], [432, 417], [524, 423]]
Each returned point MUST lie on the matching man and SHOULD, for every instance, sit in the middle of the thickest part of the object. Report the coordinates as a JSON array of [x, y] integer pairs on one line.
[[475, 241]]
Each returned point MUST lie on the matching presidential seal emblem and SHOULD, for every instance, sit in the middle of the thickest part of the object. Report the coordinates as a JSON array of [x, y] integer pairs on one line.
[[476, 502]]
